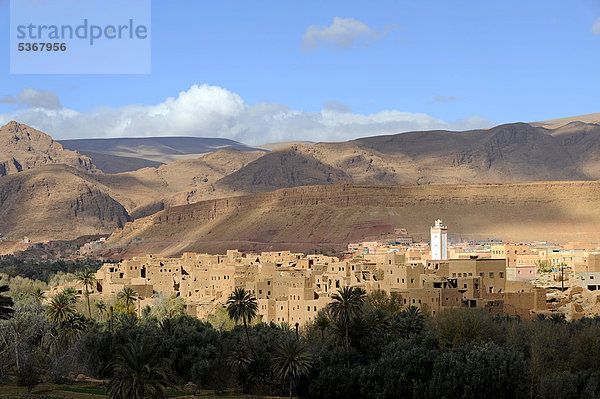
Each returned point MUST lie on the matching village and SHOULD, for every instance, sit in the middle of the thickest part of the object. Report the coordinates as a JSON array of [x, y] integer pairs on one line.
[[517, 279]]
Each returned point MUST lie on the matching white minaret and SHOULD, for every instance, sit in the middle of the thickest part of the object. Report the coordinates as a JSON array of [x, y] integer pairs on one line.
[[439, 241]]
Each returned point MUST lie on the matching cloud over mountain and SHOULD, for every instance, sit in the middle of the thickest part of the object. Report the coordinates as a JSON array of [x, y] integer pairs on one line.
[[596, 27], [32, 98], [216, 112], [343, 33]]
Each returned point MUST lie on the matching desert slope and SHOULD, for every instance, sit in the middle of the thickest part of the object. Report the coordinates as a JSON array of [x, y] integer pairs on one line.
[[23, 148], [155, 149], [304, 218], [56, 202]]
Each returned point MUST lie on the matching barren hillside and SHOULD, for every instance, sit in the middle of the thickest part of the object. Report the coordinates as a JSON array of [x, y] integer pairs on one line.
[[304, 218], [56, 202], [22, 148]]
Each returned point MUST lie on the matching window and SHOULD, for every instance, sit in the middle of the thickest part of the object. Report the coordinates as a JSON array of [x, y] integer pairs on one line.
[[491, 274], [501, 274]]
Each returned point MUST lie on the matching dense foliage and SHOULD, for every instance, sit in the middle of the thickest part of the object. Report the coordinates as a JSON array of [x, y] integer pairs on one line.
[[43, 270], [361, 346]]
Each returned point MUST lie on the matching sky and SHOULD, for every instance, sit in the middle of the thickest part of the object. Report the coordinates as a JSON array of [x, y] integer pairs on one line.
[[269, 71]]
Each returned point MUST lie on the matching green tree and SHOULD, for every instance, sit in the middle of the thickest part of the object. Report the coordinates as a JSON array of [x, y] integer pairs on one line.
[[347, 304], [138, 373], [6, 304], [322, 322], [291, 362], [480, 371], [242, 305], [38, 295], [101, 306], [87, 278], [61, 308], [389, 303], [169, 307], [412, 321], [128, 297]]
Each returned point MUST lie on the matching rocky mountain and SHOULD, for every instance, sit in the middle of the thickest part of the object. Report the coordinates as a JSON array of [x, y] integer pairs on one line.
[[23, 147], [328, 217], [508, 153], [56, 202], [61, 202], [136, 152]]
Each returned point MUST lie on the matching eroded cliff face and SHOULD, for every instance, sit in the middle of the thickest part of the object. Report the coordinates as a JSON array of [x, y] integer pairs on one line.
[[56, 202], [304, 218], [23, 148]]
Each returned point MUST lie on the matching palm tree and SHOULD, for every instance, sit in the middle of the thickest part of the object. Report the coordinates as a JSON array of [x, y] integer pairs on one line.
[[322, 322], [71, 294], [87, 278], [242, 305], [291, 362], [557, 318], [6, 304], [128, 297], [101, 306], [412, 321], [346, 305], [138, 373], [239, 361], [38, 295], [61, 308]]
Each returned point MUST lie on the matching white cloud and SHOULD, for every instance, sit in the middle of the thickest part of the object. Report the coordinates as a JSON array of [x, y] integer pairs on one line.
[[211, 111], [31, 98], [333, 105], [596, 27], [343, 33], [444, 99]]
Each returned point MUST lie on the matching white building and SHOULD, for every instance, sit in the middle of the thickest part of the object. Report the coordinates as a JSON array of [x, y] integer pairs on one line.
[[439, 241]]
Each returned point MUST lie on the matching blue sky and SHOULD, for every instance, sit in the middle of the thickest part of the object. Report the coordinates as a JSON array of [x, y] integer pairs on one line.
[[256, 71]]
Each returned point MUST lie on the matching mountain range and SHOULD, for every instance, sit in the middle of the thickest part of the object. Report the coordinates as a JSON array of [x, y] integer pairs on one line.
[[61, 190]]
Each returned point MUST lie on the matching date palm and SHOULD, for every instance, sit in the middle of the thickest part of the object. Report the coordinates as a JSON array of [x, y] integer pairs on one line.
[[412, 321], [6, 304], [242, 305], [128, 297], [61, 308], [101, 307], [322, 322], [87, 278], [38, 295], [346, 305], [138, 373], [291, 362], [71, 294]]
